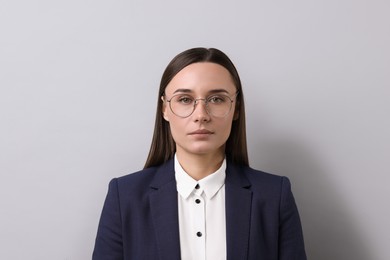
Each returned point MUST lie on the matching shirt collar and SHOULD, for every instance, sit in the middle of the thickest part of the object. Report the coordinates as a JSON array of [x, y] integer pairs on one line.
[[211, 184]]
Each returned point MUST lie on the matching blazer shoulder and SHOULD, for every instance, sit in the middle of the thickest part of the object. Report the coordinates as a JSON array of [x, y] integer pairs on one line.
[[258, 175], [153, 177], [138, 175], [137, 181], [261, 180]]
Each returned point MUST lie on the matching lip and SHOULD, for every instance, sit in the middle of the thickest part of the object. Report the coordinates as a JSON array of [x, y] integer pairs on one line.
[[201, 132]]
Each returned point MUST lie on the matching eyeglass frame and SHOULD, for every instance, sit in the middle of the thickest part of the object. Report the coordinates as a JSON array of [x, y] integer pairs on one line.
[[205, 102]]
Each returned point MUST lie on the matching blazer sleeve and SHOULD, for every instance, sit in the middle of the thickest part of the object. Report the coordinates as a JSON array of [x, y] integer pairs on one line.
[[108, 244], [291, 243]]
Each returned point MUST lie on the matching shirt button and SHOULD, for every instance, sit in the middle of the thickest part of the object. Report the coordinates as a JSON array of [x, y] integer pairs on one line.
[[199, 234], [197, 201], [197, 186]]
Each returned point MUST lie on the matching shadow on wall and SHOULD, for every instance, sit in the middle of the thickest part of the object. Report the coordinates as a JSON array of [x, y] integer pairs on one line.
[[329, 228]]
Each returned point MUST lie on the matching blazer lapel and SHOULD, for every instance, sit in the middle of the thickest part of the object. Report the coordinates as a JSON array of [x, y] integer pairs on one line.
[[238, 213], [164, 209]]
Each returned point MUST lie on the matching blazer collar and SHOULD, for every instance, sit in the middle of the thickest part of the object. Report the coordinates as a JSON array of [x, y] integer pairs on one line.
[[164, 174], [238, 201], [164, 209]]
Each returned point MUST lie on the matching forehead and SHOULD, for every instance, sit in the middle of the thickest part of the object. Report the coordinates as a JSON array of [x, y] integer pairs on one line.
[[202, 78]]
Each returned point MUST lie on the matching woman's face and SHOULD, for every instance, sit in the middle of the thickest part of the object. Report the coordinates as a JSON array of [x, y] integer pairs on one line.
[[200, 133]]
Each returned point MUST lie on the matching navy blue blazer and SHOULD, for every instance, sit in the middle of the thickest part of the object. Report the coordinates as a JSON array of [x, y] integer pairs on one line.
[[140, 217]]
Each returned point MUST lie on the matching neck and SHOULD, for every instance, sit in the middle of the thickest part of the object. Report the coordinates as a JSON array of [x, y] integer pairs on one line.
[[200, 166]]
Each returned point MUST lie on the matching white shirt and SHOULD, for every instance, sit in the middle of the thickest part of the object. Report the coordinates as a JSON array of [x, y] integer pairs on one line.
[[202, 219]]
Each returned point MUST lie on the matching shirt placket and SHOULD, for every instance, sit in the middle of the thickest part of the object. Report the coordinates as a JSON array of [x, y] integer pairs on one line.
[[199, 223]]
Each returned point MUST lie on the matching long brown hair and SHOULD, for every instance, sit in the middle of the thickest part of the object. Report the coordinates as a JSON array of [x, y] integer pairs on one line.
[[163, 146]]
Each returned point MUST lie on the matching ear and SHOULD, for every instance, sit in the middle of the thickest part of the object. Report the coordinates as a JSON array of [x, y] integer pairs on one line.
[[236, 115], [236, 112], [164, 109]]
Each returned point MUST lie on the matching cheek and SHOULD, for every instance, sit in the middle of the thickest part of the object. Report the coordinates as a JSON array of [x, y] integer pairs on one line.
[[225, 127], [177, 127], [228, 129]]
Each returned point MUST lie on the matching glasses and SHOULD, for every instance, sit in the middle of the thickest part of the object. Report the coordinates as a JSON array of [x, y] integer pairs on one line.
[[218, 105]]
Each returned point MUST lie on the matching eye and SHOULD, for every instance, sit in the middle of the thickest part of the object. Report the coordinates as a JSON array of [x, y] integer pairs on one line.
[[216, 99], [185, 100]]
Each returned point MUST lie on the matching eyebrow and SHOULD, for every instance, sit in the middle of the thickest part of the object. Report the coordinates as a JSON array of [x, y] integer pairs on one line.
[[213, 91]]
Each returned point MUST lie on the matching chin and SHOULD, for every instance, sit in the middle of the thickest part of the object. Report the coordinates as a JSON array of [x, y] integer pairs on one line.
[[204, 149]]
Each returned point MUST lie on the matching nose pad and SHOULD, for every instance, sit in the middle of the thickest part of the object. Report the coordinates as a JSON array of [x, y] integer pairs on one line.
[[200, 110]]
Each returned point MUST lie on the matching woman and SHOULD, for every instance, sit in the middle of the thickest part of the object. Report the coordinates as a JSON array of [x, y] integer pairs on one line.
[[197, 198]]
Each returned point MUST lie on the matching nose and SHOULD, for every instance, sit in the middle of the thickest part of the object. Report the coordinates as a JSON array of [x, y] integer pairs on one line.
[[200, 111]]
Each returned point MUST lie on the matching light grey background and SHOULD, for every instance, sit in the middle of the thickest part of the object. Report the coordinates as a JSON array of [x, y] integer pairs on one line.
[[78, 93]]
